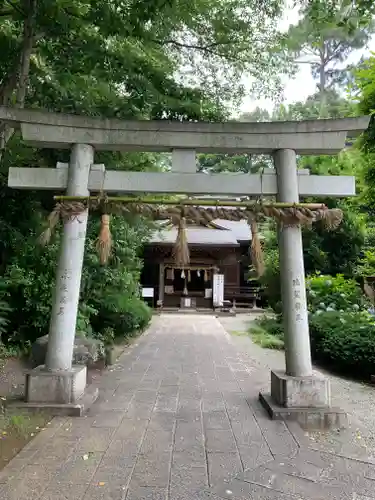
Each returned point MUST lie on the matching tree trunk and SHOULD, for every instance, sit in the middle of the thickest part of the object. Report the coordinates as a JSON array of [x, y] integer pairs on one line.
[[18, 80], [322, 81]]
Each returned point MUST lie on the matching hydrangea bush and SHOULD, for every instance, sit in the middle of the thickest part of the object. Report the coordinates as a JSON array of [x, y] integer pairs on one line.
[[342, 330], [334, 293]]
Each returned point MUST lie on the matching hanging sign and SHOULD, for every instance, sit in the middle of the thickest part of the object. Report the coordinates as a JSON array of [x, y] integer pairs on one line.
[[218, 290]]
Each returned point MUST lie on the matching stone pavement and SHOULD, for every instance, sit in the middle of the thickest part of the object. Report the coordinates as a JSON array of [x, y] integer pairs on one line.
[[177, 419]]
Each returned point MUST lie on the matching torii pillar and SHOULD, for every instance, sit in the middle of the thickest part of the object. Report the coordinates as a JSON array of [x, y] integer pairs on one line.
[[58, 385], [296, 393]]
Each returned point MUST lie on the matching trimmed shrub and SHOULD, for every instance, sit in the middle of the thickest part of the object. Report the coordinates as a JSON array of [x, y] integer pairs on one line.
[[345, 341], [131, 316]]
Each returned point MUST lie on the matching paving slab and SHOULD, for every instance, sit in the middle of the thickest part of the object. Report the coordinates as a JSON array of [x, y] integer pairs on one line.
[[178, 418]]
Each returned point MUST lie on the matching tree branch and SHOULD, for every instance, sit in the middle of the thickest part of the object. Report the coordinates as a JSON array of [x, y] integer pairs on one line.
[[334, 52], [18, 80], [305, 62], [203, 48], [73, 14]]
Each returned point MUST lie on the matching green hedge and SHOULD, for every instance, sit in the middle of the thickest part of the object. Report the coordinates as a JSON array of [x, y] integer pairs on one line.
[[344, 341], [133, 316], [110, 303]]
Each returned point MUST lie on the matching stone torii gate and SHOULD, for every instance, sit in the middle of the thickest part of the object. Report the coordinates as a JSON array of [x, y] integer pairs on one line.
[[59, 384]]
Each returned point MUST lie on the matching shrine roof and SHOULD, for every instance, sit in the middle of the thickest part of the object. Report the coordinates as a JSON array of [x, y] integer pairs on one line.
[[224, 233], [240, 228]]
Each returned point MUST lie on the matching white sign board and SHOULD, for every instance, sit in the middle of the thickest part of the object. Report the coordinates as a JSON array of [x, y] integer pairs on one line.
[[187, 302], [218, 290], [147, 292]]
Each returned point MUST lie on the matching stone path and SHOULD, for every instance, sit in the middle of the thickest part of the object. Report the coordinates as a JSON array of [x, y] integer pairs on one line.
[[178, 419]]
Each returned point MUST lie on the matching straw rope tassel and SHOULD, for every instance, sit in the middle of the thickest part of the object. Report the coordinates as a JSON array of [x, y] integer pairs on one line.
[[53, 219], [256, 250], [104, 242], [181, 247]]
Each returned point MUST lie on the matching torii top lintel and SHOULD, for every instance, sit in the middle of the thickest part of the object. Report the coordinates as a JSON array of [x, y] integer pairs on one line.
[[54, 130]]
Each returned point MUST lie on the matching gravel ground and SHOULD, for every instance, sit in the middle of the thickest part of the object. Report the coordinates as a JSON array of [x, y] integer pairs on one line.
[[357, 399]]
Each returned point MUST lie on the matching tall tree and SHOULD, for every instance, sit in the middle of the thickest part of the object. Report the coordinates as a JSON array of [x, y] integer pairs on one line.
[[128, 57], [323, 40]]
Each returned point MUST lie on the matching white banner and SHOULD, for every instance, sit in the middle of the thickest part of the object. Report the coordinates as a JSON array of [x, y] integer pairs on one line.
[[218, 290]]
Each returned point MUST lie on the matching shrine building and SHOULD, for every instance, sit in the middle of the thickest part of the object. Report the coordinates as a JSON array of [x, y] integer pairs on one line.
[[221, 247]]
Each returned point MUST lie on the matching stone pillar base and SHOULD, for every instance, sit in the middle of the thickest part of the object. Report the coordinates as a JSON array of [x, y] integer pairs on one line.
[[297, 392], [306, 400], [58, 392], [64, 387]]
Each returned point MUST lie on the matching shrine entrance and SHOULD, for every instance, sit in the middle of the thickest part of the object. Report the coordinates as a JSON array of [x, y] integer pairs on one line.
[[188, 287], [295, 391]]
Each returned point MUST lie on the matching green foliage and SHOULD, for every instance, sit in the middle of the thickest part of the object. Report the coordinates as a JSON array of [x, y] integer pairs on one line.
[[131, 315], [344, 341], [107, 336], [370, 236], [264, 339], [267, 332], [327, 252], [346, 13], [29, 274], [366, 265], [4, 311], [19, 428], [112, 292], [334, 252], [324, 38], [335, 106], [342, 332], [270, 280], [333, 293], [78, 60], [84, 318], [28, 288], [365, 80]]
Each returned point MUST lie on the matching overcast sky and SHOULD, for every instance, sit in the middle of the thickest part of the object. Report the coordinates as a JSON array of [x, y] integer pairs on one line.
[[299, 88]]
